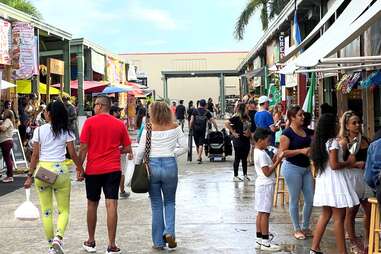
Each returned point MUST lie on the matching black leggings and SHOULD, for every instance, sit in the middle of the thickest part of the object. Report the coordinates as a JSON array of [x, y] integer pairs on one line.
[[241, 151]]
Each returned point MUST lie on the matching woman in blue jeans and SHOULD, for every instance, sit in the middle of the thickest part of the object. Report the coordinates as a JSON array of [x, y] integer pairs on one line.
[[166, 135], [295, 143]]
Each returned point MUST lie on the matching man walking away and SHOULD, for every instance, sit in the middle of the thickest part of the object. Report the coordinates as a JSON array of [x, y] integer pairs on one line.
[[264, 119], [180, 114], [199, 120], [103, 139]]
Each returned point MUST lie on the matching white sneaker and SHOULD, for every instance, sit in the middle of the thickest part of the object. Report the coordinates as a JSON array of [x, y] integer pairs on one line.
[[237, 179], [246, 178], [258, 244], [58, 245], [89, 247], [52, 251], [270, 247]]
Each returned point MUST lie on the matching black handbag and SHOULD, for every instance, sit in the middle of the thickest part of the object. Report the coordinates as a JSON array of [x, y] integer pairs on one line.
[[140, 178]]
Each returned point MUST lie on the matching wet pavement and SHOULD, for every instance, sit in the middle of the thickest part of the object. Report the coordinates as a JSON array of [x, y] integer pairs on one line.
[[213, 215]]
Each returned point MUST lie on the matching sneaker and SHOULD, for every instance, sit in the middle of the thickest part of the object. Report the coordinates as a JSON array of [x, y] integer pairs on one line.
[[52, 251], [89, 247], [171, 241], [246, 178], [258, 244], [8, 180], [237, 179], [270, 247], [113, 250], [315, 252], [125, 194], [58, 245]]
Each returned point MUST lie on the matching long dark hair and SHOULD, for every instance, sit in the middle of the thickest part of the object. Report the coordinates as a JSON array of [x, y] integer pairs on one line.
[[326, 129], [292, 112], [241, 111], [59, 118], [139, 119]]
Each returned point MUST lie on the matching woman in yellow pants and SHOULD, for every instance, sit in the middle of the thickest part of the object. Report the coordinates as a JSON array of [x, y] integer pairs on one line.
[[49, 148]]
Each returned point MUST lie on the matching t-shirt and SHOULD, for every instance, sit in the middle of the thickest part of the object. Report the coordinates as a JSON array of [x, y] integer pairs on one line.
[[180, 112], [104, 134], [240, 126], [201, 111], [264, 119], [211, 107], [298, 142], [262, 159], [52, 148], [7, 134]]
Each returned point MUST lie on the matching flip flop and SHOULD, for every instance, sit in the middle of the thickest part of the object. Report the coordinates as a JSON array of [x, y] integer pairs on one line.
[[308, 233], [299, 236]]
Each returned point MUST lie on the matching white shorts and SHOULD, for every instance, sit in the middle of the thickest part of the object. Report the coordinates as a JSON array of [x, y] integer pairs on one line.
[[264, 196]]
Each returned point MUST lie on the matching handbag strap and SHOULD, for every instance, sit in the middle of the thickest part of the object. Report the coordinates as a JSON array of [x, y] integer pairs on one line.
[[148, 140]]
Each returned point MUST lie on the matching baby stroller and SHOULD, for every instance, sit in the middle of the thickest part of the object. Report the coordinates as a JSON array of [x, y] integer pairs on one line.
[[216, 146]]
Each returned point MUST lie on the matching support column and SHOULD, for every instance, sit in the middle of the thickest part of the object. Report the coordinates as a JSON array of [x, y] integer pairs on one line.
[[80, 78], [302, 89], [165, 88], [263, 91], [36, 78], [222, 93], [67, 59], [244, 84]]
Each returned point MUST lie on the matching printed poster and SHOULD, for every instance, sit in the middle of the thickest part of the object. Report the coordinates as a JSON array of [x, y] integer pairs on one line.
[[23, 57], [115, 71], [5, 42]]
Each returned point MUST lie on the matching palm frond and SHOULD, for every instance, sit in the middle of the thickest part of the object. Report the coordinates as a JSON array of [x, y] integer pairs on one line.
[[245, 16], [24, 6], [265, 18]]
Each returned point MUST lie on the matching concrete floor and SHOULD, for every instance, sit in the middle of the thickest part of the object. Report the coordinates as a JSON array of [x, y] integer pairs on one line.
[[214, 215]]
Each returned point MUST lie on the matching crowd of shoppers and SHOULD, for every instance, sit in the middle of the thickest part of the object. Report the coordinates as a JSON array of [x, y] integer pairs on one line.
[[339, 153]]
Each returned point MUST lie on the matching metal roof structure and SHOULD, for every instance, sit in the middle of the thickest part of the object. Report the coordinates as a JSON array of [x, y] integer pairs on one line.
[[12, 14], [99, 49], [203, 74]]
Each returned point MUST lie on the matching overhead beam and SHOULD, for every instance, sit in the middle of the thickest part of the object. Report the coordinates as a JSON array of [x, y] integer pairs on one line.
[[52, 52]]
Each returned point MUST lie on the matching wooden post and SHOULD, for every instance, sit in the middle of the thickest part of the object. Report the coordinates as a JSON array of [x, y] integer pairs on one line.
[[48, 82]]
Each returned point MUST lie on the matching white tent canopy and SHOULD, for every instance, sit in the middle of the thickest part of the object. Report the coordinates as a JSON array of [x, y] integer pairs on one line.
[[5, 84], [354, 20]]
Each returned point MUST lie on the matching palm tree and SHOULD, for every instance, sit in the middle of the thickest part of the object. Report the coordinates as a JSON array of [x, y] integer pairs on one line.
[[24, 6], [269, 9]]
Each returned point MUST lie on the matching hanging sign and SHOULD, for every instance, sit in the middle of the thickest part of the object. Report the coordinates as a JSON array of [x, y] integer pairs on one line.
[[282, 46], [5, 42], [56, 66], [22, 50], [97, 62]]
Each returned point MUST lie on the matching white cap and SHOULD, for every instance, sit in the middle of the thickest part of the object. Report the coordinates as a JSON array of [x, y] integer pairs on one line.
[[263, 99]]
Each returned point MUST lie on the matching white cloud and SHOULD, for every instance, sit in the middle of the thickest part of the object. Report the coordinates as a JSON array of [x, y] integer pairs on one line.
[[159, 18]]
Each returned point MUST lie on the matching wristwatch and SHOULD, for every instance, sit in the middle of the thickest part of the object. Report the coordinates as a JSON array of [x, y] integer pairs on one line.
[[30, 174]]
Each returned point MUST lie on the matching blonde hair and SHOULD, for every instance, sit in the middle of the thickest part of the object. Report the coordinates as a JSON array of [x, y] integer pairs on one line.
[[344, 132], [160, 113], [9, 114]]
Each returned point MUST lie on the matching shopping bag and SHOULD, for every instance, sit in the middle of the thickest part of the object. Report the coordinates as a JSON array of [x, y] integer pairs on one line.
[[129, 171], [27, 211]]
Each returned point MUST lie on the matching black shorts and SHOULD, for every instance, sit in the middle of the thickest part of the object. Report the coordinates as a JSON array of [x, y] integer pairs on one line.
[[108, 182], [199, 138]]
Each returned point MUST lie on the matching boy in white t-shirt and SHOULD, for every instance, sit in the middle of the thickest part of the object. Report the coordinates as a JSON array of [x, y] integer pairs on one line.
[[264, 187]]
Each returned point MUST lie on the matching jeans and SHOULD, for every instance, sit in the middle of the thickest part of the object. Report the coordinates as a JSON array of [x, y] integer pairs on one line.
[[299, 179], [163, 185]]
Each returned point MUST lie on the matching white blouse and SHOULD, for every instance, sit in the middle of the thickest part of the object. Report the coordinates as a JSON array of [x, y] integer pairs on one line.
[[163, 144]]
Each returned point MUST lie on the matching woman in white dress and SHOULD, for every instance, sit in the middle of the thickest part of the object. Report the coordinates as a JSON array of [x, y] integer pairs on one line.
[[352, 141], [332, 190]]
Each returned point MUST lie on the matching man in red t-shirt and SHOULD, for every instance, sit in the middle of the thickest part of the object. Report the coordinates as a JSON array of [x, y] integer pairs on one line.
[[103, 139]]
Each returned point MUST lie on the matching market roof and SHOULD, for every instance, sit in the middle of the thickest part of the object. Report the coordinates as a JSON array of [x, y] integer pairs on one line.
[[10, 13], [99, 49], [193, 74], [275, 26]]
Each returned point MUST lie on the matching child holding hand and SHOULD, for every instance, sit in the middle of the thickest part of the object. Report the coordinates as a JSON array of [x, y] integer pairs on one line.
[[264, 187]]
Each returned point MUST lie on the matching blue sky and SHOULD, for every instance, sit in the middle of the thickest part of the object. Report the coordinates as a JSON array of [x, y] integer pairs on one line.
[[125, 26]]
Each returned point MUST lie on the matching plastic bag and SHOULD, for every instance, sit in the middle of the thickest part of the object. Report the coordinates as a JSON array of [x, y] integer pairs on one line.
[[129, 171], [27, 211]]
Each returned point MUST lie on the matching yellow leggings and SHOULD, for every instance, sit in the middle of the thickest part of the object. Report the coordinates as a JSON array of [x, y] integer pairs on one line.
[[61, 189]]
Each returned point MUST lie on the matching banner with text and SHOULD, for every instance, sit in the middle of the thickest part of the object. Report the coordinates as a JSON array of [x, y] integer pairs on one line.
[[5, 42]]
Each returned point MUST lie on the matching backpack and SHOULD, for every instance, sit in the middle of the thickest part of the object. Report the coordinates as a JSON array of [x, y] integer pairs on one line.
[[200, 121]]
